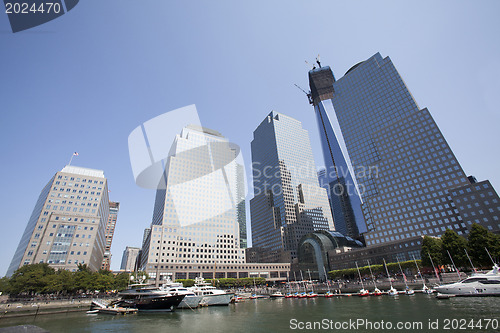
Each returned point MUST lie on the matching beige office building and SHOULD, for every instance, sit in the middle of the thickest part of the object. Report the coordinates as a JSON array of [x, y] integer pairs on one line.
[[67, 226]]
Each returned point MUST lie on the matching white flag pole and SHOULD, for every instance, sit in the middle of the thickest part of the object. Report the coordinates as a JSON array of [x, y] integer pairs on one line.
[[71, 159]]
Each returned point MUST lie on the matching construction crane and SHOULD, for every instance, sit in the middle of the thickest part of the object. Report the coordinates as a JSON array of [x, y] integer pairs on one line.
[[308, 64], [308, 94]]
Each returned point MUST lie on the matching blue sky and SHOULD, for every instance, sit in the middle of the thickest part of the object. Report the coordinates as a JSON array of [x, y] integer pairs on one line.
[[84, 81]]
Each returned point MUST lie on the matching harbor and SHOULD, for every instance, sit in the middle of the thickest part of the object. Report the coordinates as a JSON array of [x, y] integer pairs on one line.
[[277, 315]]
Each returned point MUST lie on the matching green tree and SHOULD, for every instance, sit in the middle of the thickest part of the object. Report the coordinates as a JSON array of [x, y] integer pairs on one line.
[[432, 246], [103, 282], [494, 247], [83, 279], [122, 281], [186, 282], [61, 282], [31, 279], [4, 285], [478, 239], [455, 245]]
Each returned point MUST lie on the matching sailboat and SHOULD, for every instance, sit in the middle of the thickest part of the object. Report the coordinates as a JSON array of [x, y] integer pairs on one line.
[[392, 291], [328, 294], [408, 291], [289, 293], [425, 289], [254, 295], [296, 294], [363, 292], [312, 294], [376, 292], [302, 294]]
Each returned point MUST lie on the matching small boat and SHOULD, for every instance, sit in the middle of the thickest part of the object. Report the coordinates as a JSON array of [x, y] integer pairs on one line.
[[99, 307], [328, 294], [302, 295], [289, 295], [392, 292], [277, 294], [312, 294], [425, 289], [363, 292], [117, 310], [376, 292], [408, 291]]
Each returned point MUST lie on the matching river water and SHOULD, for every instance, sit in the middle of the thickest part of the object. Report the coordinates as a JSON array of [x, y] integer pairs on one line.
[[418, 313]]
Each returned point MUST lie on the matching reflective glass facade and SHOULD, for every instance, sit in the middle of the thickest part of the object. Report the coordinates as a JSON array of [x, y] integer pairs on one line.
[[288, 202], [198, 206], [338, 179], [409, 171]]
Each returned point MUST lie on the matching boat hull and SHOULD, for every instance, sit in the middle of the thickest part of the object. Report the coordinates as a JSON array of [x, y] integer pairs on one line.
[[153, 303], [190, 302], [218, 299]]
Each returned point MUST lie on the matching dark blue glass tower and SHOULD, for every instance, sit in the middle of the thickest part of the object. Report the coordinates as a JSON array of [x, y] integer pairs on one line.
[[338, 179]]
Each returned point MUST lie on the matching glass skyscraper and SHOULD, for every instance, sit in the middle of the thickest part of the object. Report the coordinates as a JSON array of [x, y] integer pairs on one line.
[[197, 215], [409, 179], [337, 178], [288, 202]]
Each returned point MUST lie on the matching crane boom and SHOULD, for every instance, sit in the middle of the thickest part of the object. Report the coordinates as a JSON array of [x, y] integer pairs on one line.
[[308, 94]]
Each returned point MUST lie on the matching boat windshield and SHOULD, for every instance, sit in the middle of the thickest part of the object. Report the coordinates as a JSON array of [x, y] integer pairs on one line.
[[470, 280], [490, 282]]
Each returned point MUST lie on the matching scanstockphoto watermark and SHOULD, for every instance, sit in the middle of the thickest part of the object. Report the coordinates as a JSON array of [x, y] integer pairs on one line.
[[355, 324], [446, 324], [337, 180]]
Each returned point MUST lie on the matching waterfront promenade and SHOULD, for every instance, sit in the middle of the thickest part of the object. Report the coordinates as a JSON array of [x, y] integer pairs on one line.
[[35, 307]]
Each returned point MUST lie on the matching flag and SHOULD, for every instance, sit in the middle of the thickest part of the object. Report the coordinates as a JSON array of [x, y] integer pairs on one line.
[[75, 154]]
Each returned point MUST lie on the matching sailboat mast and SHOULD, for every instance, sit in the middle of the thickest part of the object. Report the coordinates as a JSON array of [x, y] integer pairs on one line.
[[489, 255], [434, 267], [387, 271], [449, 255], [360, 279], [472, 265], [401, 269], [327, 282], [418, 270], [371, 273]]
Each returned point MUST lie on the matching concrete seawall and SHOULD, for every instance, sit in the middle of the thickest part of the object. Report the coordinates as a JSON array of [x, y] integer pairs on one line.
[[35, 308]]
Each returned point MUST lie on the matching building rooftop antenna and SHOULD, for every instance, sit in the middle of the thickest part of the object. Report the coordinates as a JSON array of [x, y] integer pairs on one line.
[[317, 61]]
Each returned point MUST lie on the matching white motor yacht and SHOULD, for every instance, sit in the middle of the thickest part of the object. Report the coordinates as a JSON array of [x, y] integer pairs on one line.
[[478, 284], [190, 301], [210, 294]]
